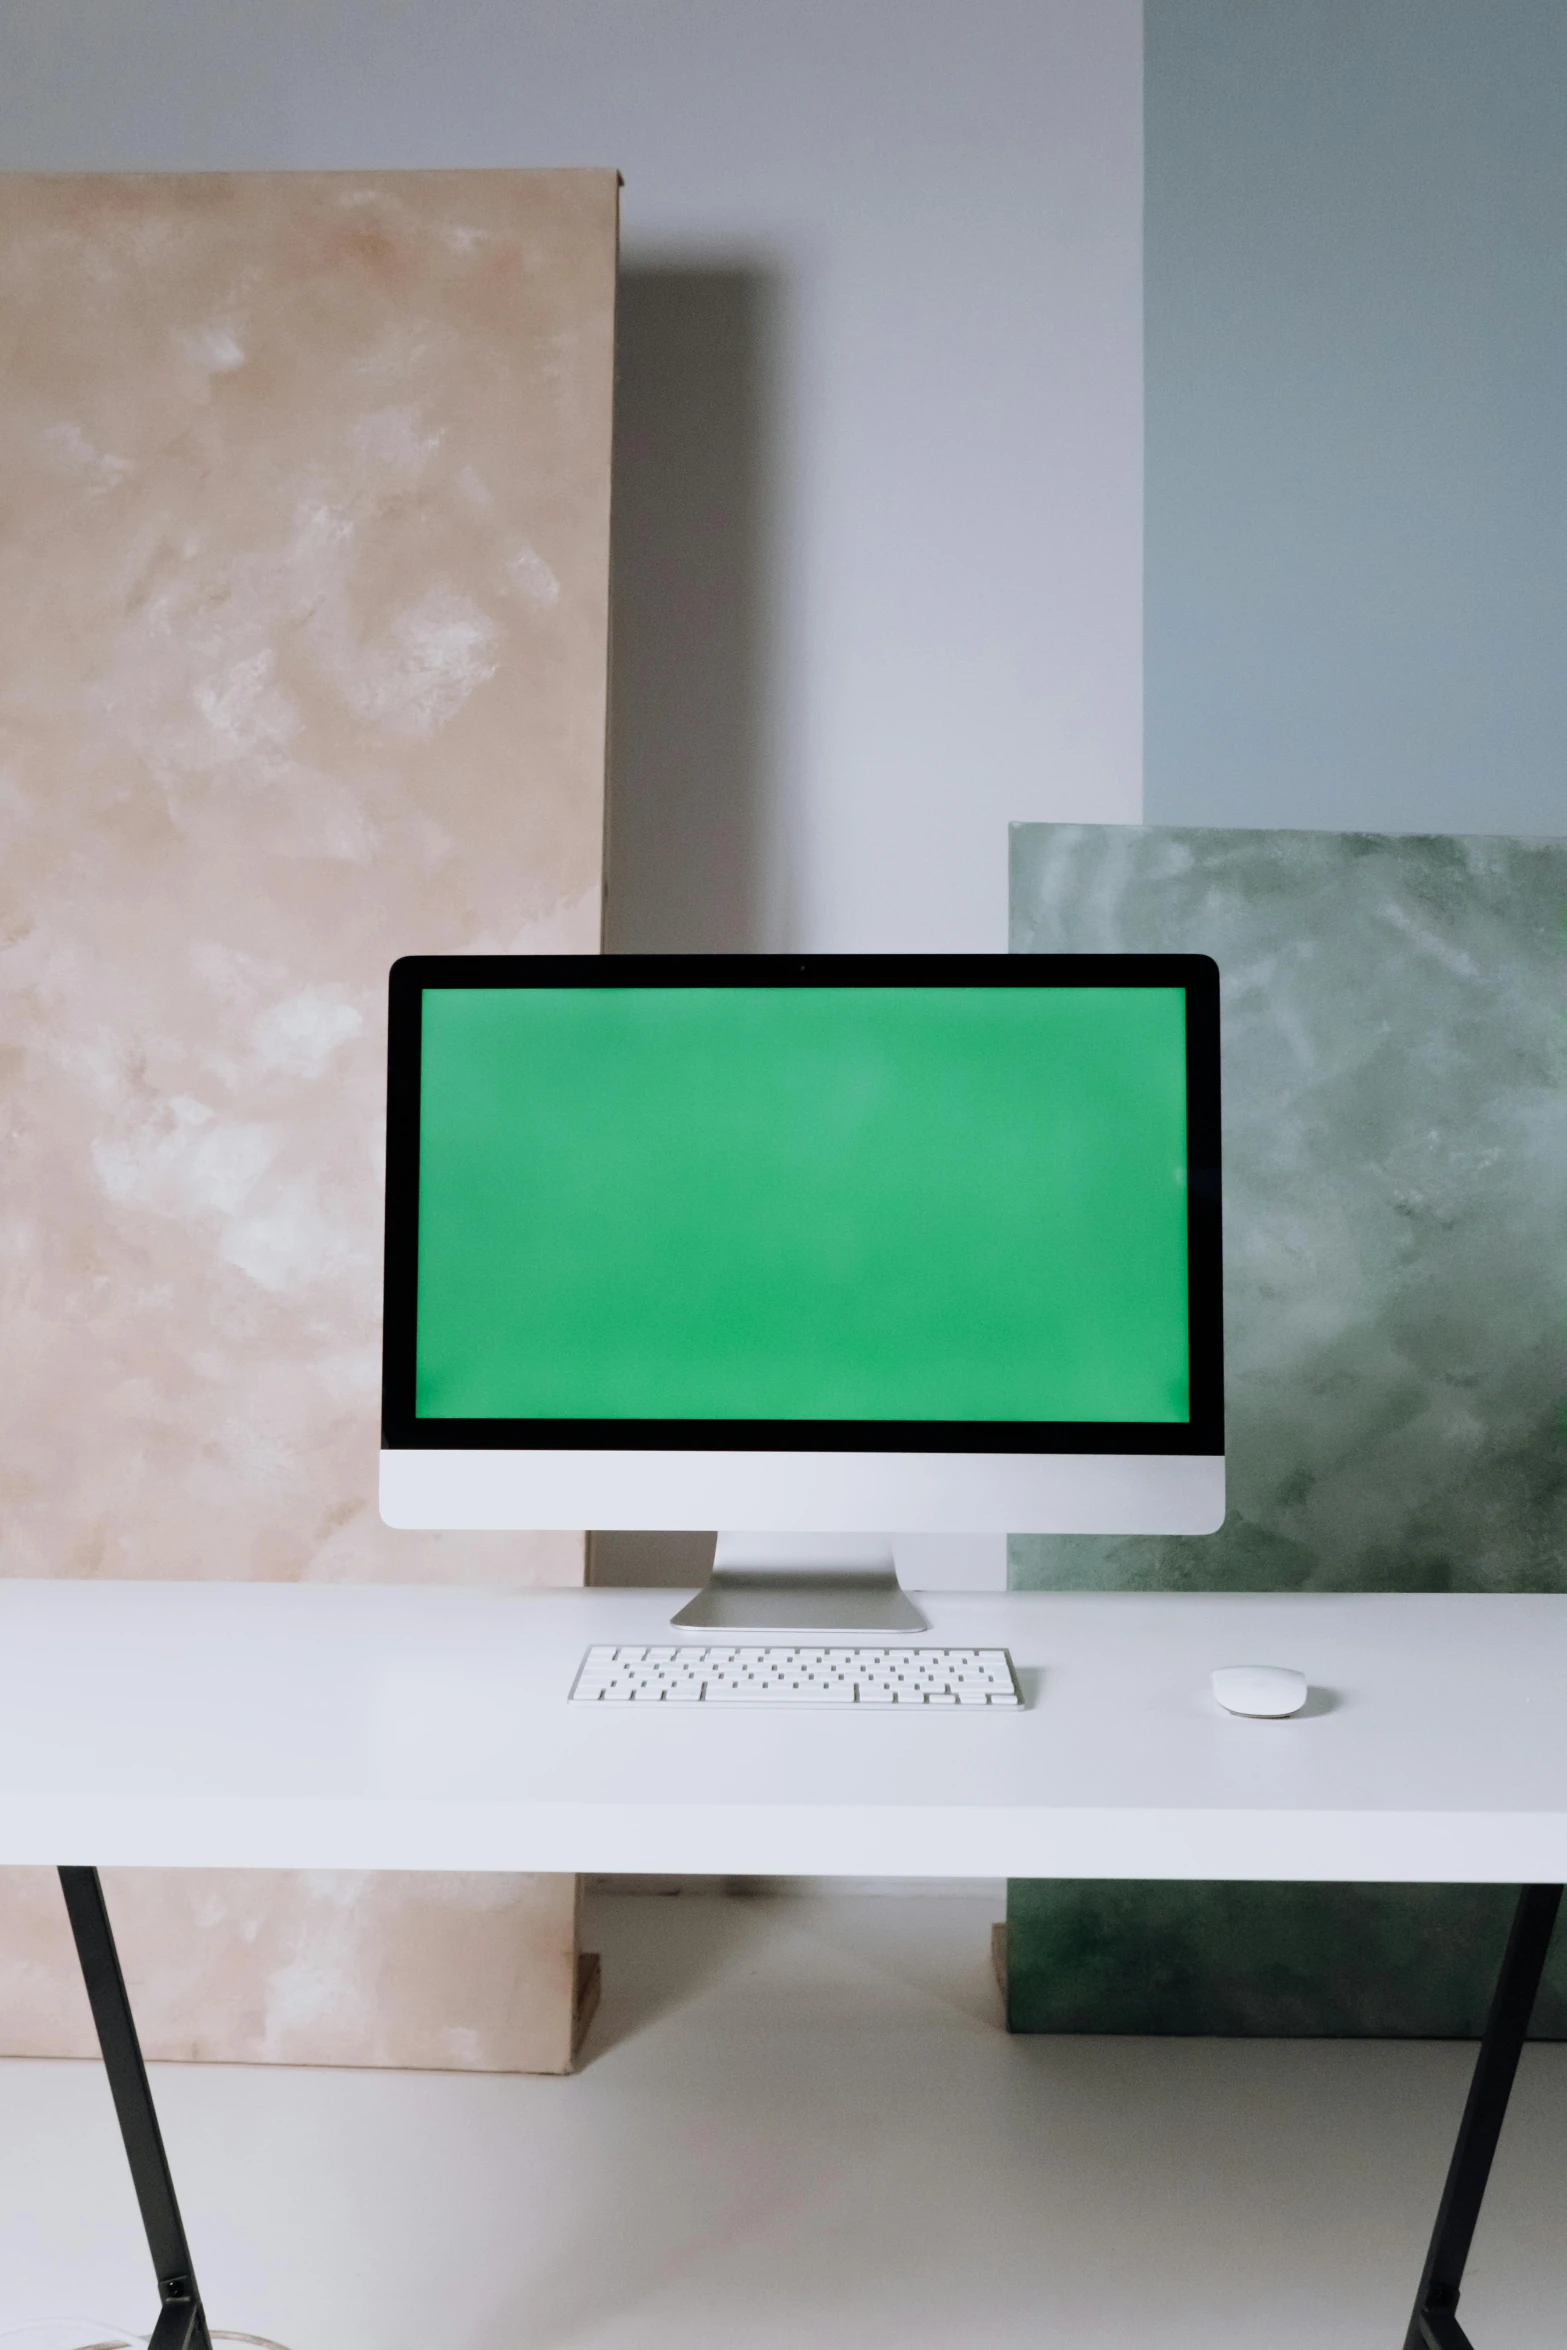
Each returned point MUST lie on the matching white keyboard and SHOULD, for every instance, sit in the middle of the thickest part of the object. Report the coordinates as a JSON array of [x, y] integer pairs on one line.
[[811, 1674]]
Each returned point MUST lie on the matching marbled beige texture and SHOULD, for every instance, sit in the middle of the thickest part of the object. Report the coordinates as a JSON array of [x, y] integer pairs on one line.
[[436, 1973], [304, 520]]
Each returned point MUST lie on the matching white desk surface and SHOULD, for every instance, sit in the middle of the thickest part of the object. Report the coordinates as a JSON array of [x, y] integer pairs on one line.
[[316, 1726]]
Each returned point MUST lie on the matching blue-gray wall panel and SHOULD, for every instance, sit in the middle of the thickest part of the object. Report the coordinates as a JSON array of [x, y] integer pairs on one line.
[[1356, 308]]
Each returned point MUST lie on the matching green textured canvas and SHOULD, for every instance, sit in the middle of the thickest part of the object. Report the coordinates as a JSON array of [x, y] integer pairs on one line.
[[1395, 1165]]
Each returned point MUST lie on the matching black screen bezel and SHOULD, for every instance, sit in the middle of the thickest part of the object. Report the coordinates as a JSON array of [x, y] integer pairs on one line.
[[1203, 1433]]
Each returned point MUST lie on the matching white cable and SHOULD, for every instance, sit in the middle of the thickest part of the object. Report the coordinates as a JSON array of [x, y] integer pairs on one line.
[[106, 2337], [118, 2337]]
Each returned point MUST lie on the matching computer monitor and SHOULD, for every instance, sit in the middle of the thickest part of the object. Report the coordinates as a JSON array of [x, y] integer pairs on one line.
[[826, 1245]]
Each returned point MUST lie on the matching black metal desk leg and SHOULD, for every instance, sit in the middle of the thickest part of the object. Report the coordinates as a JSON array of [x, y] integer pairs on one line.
[[1435, 2325], [182, 2324]]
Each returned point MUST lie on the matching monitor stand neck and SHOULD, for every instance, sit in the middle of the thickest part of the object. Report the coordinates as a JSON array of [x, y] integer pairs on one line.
[[804, 1583]]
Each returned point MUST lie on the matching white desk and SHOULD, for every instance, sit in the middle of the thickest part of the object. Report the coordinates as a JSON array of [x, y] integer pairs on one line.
[[289, 1726], [282, 1726]]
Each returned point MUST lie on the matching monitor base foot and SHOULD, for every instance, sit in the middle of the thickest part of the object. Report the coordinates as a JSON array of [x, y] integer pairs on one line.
[[804, 1603]]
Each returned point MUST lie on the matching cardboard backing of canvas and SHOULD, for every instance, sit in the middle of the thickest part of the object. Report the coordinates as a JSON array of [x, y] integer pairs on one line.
[[305, 481]]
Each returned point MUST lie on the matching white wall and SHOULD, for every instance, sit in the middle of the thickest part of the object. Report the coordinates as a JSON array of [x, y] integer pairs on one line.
[[914, 553]]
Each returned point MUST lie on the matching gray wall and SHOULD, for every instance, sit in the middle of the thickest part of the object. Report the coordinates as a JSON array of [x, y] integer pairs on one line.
[[1356, 322], [879, 482]]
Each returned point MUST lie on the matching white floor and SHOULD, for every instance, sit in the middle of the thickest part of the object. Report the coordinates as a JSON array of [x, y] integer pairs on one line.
[[798, 2121]]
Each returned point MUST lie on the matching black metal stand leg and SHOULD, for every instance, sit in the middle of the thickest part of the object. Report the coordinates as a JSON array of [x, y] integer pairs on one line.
[[1435, 2325], [182, 2325]]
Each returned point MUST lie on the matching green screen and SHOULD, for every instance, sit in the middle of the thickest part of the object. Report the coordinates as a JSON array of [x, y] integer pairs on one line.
[[836, 1203]]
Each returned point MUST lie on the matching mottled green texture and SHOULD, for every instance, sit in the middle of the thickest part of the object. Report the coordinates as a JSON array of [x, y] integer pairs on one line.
[[1395, 1171], [1304, 1961], [1395, 1167]]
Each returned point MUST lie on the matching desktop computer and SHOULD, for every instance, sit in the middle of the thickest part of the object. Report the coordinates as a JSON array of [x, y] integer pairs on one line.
[[818, 1249]]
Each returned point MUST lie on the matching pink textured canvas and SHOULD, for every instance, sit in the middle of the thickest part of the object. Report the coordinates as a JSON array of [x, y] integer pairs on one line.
[[305, 562]]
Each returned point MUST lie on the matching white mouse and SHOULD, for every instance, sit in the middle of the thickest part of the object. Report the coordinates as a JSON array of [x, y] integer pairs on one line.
[[1259, 1689]]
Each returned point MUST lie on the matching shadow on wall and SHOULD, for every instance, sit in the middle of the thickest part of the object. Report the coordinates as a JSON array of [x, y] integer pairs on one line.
[[667, 1562], [690, 517], [687, 666]]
